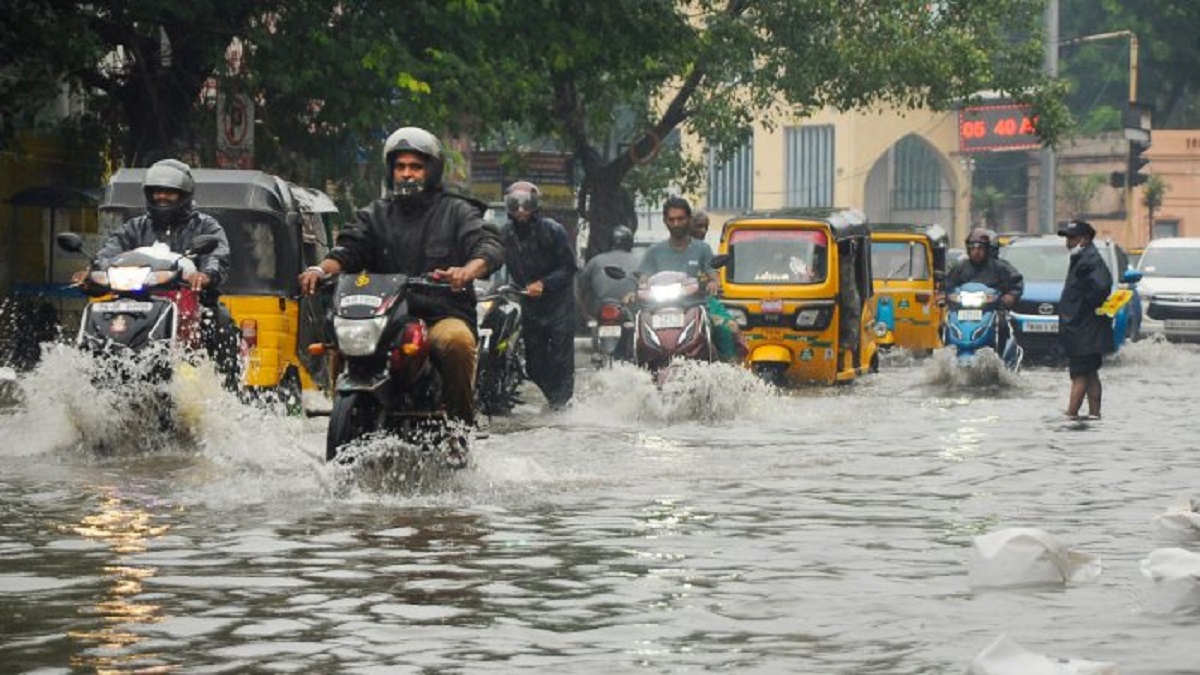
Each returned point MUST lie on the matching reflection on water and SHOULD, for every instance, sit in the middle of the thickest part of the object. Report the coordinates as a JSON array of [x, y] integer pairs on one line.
[[714, 525]]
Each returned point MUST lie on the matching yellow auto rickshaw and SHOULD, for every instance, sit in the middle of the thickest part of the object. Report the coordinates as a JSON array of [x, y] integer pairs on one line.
[[276, 229], [909, 264], [798, 282]]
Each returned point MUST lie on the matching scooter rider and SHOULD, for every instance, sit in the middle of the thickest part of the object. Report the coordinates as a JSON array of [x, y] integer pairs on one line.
[[419, 228], [982, 265], [542, 263], [171, 219], [681, 252]]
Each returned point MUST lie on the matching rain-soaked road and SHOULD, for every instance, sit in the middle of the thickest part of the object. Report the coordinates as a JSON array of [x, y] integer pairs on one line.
[[713, 526]]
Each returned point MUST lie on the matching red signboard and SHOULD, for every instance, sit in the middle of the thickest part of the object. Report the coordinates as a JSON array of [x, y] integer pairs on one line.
[[997, 127]]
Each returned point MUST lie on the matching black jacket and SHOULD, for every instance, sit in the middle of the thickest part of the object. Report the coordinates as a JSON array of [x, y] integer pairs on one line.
[[445, 230], [994, 273], [545, 255], [1089, 283], [139, 231]]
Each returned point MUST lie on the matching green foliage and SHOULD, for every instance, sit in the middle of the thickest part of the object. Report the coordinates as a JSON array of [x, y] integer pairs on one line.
[[987, 203], [1076, 191], [1152, 194]]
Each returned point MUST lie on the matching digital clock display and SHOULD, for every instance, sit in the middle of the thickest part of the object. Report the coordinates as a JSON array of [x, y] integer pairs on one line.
[[997, 127]]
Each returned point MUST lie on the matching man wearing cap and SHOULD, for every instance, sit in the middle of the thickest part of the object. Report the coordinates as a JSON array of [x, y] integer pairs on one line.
[[1085, 335]]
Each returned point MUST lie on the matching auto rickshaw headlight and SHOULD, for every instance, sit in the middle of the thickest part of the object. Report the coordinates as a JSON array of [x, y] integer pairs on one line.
[[808, 319], [739, 316], [881, 329]]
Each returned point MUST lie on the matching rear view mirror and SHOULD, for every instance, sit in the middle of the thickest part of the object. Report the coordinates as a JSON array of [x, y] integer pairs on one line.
[[614, 272], [204, 244], [69, 242], [1128, 276]]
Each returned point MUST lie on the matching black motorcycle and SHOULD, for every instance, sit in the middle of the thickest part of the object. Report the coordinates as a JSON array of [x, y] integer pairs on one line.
[[612, 333], [389, 382], [501, 365]]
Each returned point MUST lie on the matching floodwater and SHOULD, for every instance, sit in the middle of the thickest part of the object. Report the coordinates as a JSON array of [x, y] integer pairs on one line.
[[716, 525]]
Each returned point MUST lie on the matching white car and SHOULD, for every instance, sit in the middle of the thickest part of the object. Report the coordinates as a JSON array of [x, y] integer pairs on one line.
[[1170, 288]]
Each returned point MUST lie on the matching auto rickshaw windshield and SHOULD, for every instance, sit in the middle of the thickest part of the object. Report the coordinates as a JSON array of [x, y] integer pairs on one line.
[[777, 257], [899, 260]]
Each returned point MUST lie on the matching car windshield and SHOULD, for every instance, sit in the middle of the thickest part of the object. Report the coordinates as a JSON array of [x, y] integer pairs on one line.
[[898, 260], [1170, 262], [776, 257], [1046, 262]]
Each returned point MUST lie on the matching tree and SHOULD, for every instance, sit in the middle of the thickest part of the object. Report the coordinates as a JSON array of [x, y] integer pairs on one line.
[[716, 68], [1077, 191], [988, 204], [1152, 199]]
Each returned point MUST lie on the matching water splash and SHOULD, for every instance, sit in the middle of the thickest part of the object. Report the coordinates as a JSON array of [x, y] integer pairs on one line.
[[985, 371]]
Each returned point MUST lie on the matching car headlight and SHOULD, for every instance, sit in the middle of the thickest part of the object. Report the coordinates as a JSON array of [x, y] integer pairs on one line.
[[358, 337]]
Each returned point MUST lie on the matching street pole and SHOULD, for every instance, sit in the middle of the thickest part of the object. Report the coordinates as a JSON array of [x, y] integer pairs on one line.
[[1130, 227], [1050, 65]]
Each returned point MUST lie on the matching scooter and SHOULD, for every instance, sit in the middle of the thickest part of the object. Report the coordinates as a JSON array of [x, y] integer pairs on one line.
[[973, 321], [671, 319], [501, 366], [389, 382], [152, 313], [612, 333]]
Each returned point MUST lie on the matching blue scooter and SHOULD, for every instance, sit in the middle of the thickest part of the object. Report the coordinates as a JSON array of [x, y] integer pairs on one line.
[[973, 321]]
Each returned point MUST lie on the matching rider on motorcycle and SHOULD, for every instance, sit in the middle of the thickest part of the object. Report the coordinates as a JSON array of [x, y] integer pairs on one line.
[[171, 219], [983, 265], [595, 286], [421, 229], [682, 253]]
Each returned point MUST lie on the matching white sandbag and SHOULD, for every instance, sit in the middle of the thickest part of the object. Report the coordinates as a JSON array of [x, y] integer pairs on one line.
[[1026, 556], [1005, 657], [1174, 574], [1180, 521]]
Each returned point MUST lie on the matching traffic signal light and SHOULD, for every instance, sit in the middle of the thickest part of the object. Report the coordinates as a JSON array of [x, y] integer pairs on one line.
[[1137, 161]]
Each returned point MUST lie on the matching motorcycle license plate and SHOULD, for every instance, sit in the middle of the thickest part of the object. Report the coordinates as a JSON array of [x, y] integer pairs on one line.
[[661, 321], [609, 331], [122, 307], [1041, 327], [970, 315]]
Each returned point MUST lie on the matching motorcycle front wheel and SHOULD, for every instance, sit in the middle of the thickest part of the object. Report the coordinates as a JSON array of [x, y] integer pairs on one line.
[[354, 415]]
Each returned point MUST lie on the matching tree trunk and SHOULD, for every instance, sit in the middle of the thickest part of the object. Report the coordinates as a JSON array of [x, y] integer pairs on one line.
[[609, 204]]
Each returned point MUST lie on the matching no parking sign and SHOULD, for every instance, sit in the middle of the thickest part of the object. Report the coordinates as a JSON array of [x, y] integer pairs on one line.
[[235, 131]]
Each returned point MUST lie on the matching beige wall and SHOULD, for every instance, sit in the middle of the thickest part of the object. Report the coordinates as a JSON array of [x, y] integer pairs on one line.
[[861, 144]]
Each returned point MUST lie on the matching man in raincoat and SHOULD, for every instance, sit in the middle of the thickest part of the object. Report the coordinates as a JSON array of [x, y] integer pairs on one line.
[[1085, 335]]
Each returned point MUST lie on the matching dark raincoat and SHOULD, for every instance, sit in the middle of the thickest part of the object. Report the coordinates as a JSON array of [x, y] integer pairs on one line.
[[544, 253], [1089, 282]]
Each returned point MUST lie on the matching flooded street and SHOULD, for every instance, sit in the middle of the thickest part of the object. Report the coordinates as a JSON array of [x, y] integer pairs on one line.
[[717, 525]]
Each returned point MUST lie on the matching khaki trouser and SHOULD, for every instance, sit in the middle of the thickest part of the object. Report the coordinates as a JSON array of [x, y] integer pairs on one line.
[[455, 353]]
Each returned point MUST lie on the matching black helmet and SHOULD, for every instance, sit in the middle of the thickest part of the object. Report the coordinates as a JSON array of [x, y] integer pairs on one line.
[[622, 238], [169, 174], [979, 236], [522, 195], [414, 139]]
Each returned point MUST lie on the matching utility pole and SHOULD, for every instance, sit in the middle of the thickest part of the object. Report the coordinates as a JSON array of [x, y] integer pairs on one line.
[[1050, 66], [1138, 136]]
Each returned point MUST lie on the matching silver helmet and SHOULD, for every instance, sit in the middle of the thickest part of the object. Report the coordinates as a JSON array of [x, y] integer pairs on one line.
[[414, 139], [170, 174]]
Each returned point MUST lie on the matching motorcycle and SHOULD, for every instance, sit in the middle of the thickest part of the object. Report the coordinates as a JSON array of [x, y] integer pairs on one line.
[[501, 364], [389, 382], [671, 319], [612, 333], [152, 312], [973, 322]]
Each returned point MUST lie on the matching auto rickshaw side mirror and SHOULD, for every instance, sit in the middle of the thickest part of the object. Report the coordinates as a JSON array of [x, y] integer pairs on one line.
[[720, 261]]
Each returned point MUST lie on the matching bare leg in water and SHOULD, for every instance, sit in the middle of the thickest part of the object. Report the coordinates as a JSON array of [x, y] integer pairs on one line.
[[1094, 392], [1079, 388]]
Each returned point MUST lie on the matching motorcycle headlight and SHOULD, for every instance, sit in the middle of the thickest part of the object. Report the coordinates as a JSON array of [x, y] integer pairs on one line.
[[481, 310], [127, 278], [666, 293], [358, 337], [973, 298], [739, 316]]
